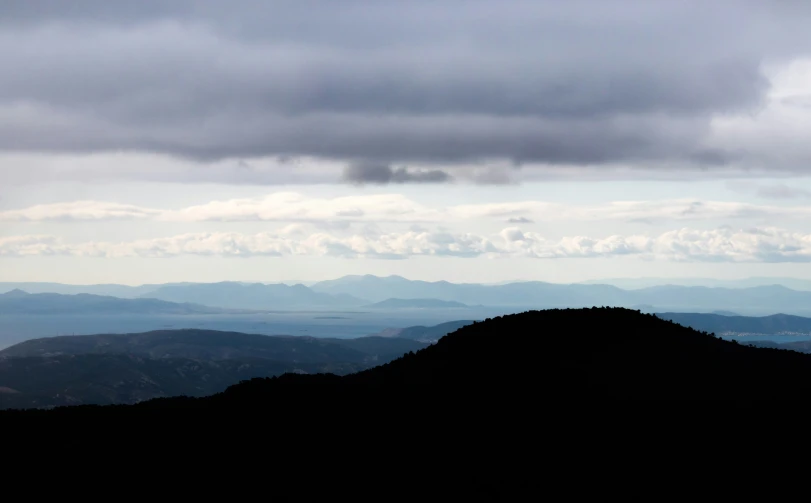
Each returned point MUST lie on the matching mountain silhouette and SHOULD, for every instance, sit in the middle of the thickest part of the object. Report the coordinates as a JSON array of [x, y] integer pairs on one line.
[[520, 362], [351, 292], [16, 293], [522, 295], [231, 294]]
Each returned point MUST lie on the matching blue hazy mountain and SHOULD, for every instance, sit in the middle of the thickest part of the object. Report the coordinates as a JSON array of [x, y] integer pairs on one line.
[[20, 302], [236, 295], [114, 290], [395, 292], [637, 283], [519, 294], [537, 294]]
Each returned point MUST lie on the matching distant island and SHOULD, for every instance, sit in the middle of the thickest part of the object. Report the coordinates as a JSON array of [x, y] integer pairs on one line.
[[417, 304]]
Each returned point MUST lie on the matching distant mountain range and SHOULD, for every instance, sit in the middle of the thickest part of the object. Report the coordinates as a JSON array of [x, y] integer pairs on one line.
[[538, 294], [231, 294], [395, 292], [121, 291], [636, 283], [126, 368], [20, 302], [254, 296]]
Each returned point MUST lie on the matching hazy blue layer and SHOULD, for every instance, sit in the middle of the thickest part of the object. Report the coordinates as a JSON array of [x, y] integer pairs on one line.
[[18, 328]]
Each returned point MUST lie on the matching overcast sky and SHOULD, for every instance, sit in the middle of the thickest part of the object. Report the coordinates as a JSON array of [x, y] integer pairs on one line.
[[475, 140]]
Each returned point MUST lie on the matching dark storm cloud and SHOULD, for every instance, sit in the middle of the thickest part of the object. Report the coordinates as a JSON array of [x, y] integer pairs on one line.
[[373, 173], [579, 82]]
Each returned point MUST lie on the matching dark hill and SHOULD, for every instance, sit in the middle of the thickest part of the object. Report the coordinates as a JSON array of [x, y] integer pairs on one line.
[[217, 345], [531, 360], [126, 379], [190, 343], [127, 368], [588, 354]]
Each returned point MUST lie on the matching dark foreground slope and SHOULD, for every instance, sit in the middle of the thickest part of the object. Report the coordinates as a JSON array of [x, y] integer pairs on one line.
[[541, 356], [103, 379], [523, 404], [522, 362], [129, 368]]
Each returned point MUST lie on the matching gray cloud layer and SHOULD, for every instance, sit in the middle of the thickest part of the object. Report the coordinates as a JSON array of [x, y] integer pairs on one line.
[[374, 83], [365, 172], [373, 208]]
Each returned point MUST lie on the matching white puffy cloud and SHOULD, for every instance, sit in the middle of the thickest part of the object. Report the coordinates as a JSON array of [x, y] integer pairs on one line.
[[531, 244], [727, 244], [718, 245], [285, 243], [31, 245], [295, 207], [291, 206], [672, 209], [79, 210]]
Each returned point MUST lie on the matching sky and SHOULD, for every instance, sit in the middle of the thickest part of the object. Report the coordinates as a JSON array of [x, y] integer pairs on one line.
[[470, 141]]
